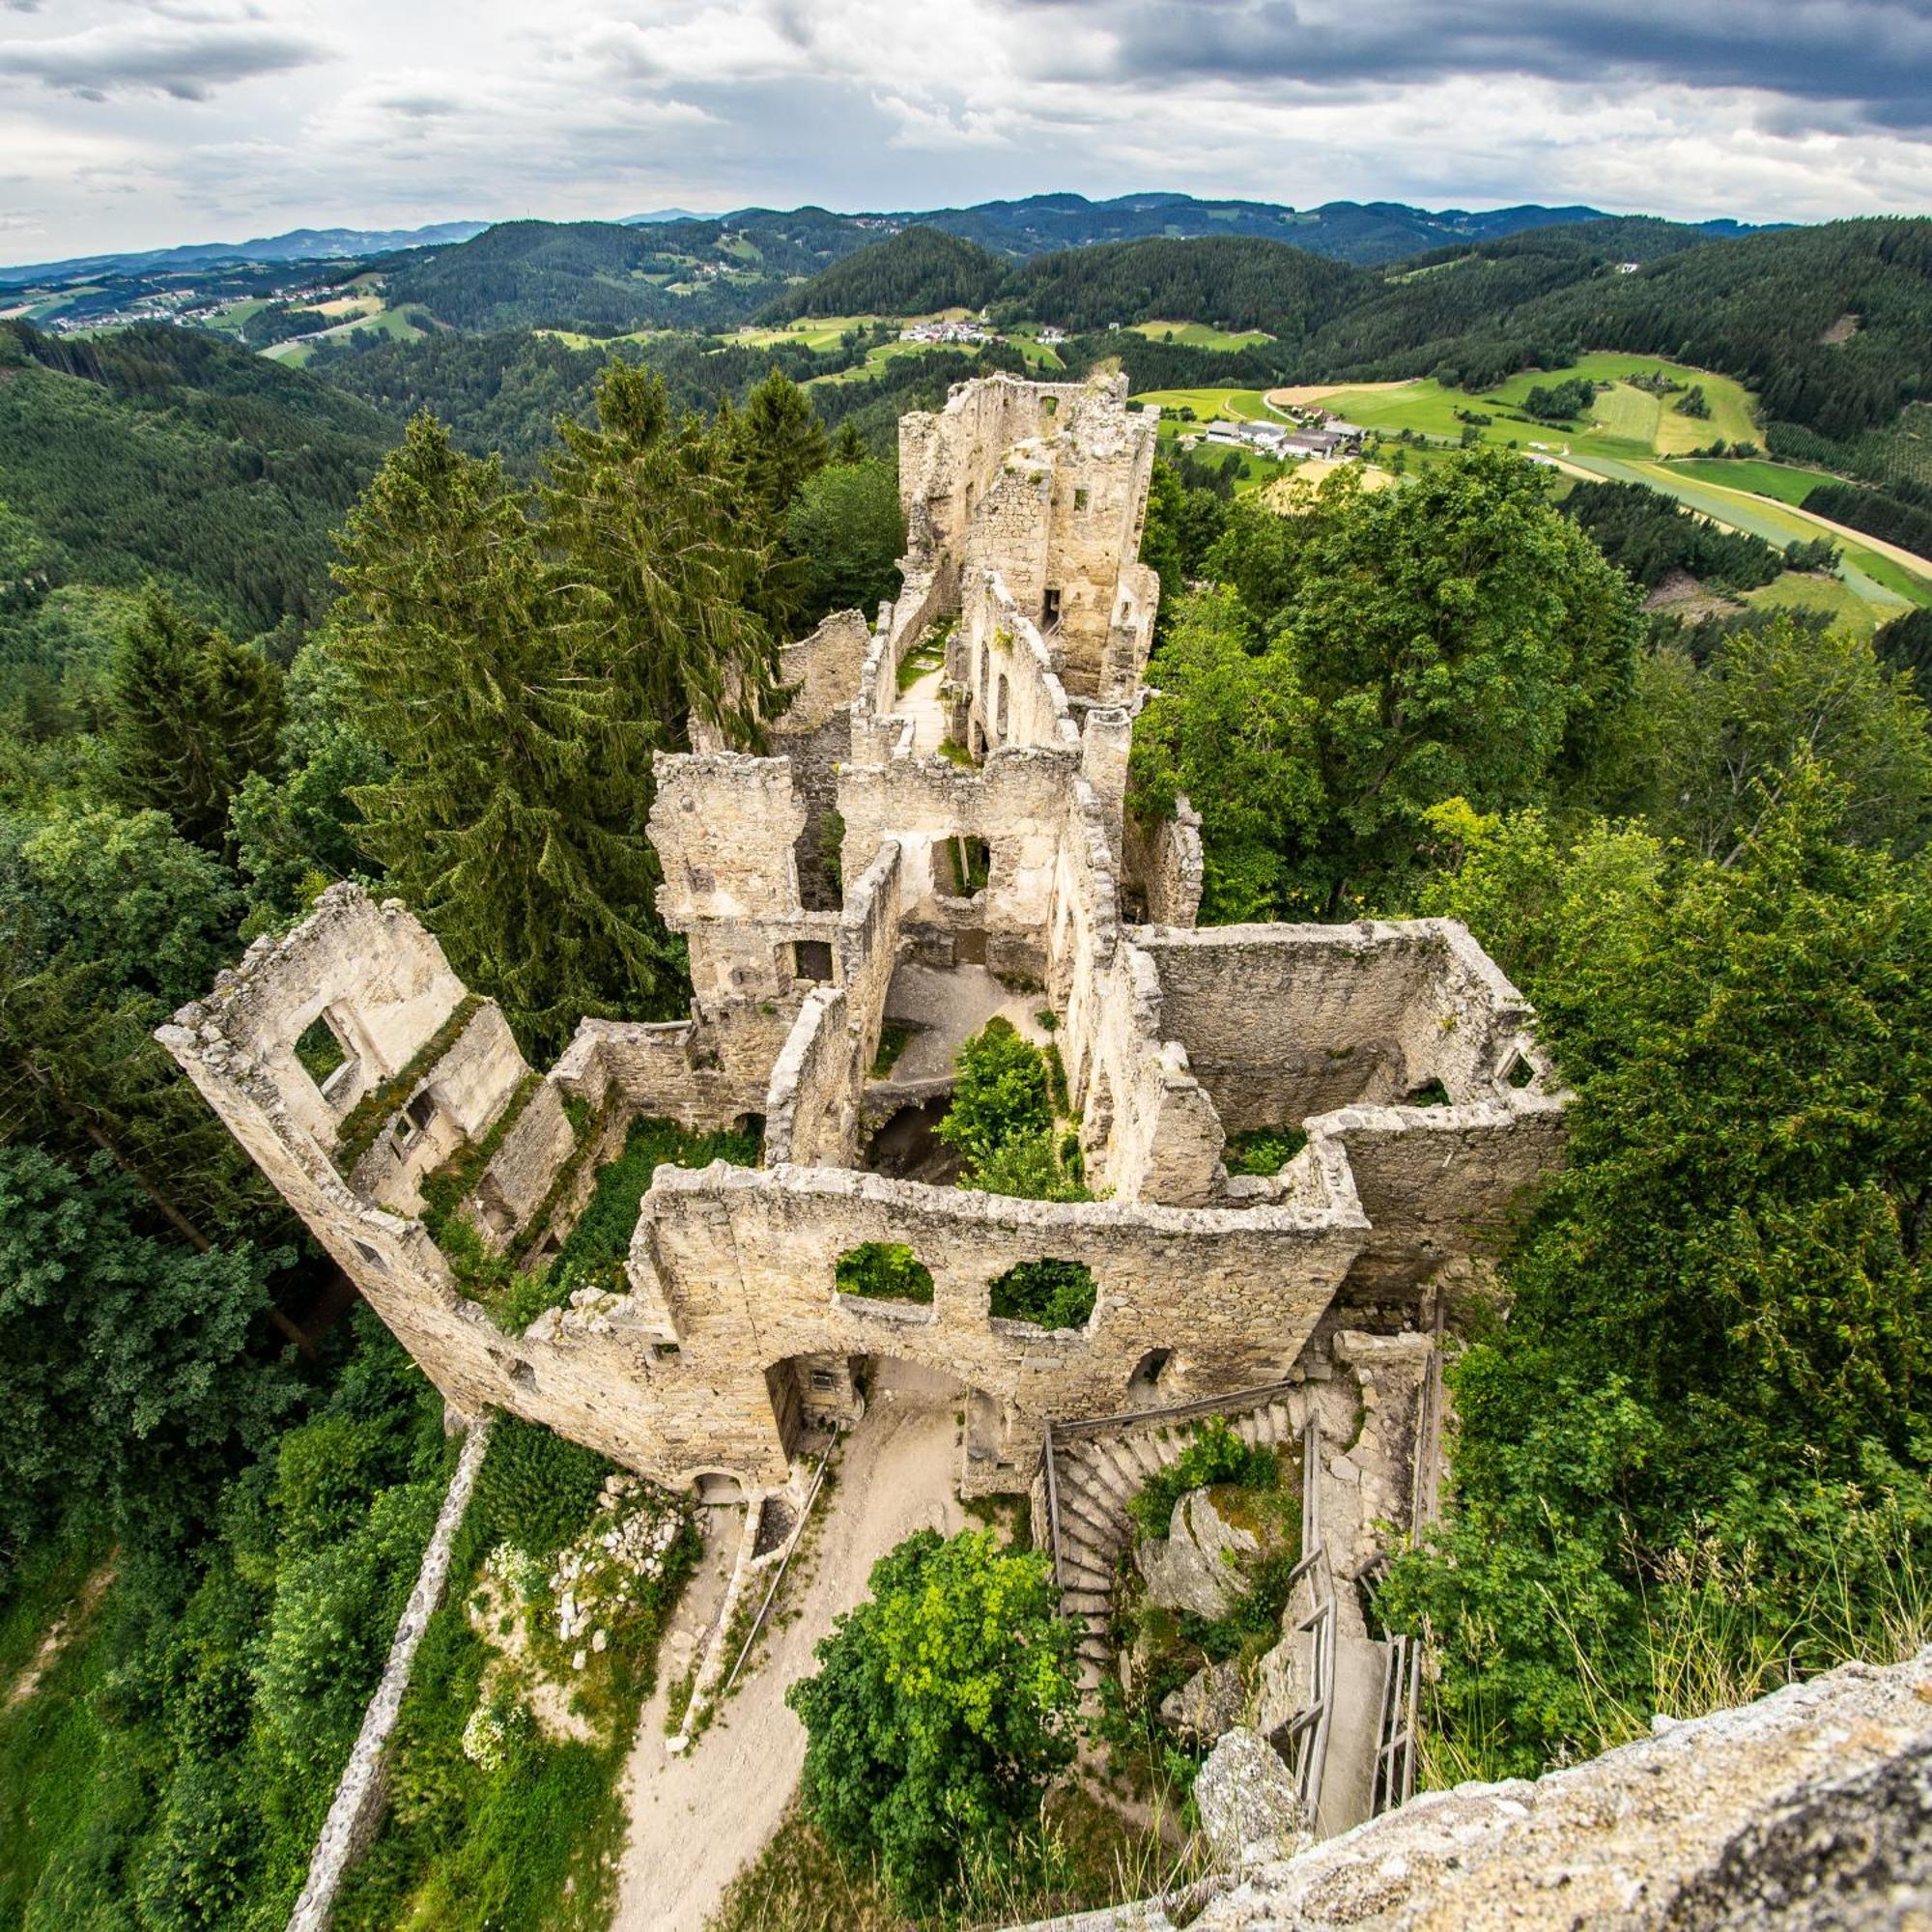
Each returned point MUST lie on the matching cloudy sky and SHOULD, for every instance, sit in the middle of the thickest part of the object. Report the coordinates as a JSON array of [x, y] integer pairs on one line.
[[138, 123]]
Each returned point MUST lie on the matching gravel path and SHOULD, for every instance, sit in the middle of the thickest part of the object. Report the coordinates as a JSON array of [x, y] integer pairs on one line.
[[697, 1820]]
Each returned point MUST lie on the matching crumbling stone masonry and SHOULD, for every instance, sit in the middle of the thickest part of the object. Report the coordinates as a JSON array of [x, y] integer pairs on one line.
[[1403, 1053]]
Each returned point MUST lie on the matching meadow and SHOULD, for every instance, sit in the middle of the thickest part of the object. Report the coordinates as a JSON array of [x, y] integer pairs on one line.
[[1200, 335]]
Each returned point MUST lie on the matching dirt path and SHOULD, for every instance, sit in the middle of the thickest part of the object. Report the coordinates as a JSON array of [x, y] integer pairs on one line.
[[697, 1820], [64, 1627]]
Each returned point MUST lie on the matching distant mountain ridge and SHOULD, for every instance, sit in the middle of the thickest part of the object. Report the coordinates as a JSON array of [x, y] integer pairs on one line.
[[1364, 232], [298, 244]]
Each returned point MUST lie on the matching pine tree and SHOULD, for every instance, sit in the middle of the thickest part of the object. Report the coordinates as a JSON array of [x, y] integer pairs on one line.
[[512, 819], [666, 586], [780, 443], [193, 715]]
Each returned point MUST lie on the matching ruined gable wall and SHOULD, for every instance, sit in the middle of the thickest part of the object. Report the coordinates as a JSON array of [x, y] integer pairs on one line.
[[1016, 802], [744, 1261], [812, 1107], [1103, 462], [375, 970]]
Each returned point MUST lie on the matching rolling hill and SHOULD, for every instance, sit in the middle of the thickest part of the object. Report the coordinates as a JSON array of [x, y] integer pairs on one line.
[[159, 452]]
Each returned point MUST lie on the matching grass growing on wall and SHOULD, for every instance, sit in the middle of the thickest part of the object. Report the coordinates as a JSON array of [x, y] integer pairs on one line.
[[593, 1254]]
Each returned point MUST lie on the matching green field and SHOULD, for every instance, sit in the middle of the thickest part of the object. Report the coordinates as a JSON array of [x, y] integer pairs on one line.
[[394, 323], [812, 331], [1785, 482], [1876, 578], [1200, 335], [1237, 405], [1626, 422], [1809, 591]]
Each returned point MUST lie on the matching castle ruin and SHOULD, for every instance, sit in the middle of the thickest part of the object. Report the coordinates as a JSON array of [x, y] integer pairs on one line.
[[932, 853]]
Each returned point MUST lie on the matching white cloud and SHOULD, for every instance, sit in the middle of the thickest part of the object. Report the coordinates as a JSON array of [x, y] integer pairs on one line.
[[130, 123]]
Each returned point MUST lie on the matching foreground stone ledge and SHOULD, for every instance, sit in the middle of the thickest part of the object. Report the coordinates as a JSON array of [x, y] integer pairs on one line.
[[1811, 1808]]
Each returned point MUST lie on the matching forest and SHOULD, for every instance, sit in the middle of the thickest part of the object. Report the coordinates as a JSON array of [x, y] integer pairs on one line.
[[263, 629]]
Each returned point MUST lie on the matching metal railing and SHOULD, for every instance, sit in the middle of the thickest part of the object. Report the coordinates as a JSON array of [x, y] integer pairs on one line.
[[1307, 1731]]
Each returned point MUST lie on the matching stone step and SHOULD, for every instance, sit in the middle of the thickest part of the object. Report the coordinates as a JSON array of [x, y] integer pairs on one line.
[[1280, 1422], [1077, 1576], [1249, 1428], [1084, 1519]]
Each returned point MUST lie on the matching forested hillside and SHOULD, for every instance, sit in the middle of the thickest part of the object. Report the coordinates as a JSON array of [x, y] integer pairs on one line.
[[1826, 323], [158, 451], [918, 270], [1363, 233], [605, 277], [1230, 282]]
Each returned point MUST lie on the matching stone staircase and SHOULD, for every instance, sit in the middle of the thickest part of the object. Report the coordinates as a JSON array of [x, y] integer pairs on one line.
[[1097, 1476]]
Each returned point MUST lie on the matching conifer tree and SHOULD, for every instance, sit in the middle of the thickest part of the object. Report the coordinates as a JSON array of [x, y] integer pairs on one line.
[[512, 819], [662, 578], [519, 662], [193, 715], [780, 444]]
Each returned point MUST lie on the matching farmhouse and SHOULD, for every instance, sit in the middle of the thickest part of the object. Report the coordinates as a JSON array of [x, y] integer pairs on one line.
[[1401, 1052]]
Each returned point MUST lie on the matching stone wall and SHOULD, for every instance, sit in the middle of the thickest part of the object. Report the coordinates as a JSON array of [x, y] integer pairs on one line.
[[742, 1262], [513, 1186], [361, 1796], [823, 673], [1164, 866], [1807, 1811]]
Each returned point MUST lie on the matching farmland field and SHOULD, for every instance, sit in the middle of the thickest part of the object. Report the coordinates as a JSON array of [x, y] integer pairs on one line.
[[1239, 405], [1200, 335], [1786, 482]]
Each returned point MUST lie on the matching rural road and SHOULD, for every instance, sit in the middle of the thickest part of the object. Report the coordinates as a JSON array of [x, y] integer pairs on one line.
[[696, 1821]]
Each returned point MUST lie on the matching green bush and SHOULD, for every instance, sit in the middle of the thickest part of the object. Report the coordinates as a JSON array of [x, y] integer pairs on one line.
[[941, 1709], [1263, 1151], [884, 1271], [1216, 1455], [1000, 1092], [1055, 1293], [535, 1488]]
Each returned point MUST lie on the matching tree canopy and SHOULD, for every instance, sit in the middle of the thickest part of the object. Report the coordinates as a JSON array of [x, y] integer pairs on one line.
[[1457, 638], [940, 1708]]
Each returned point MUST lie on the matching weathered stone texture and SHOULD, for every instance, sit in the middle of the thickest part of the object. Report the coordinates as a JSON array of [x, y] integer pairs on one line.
[[1171, 1038], [1164, 866], [1811, 1810]]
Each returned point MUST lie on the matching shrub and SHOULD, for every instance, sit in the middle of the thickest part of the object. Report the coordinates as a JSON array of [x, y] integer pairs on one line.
[[1216, 1455], [884, 1271], [1263, 1151], [940, 1709], [1055, 1293], [1002, 1092]]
